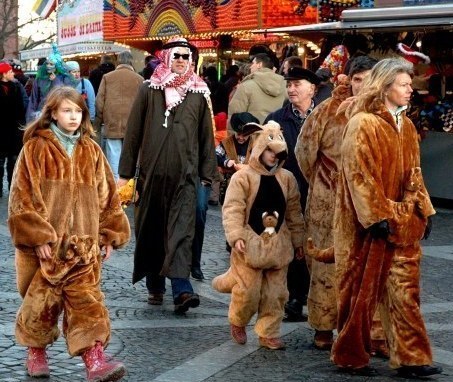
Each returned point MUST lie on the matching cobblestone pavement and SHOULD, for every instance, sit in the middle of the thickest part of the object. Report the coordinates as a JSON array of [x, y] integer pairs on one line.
[[158, 346]]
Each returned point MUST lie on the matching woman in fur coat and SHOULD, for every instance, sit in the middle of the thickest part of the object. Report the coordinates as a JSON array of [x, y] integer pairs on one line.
[[377, 234], [63, 210]]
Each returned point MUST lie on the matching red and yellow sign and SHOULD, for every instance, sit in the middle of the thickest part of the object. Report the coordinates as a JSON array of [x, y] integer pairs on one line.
[[135, 19]]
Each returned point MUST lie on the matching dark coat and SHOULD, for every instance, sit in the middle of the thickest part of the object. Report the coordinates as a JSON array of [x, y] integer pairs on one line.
[[173, 159], [12, 111]]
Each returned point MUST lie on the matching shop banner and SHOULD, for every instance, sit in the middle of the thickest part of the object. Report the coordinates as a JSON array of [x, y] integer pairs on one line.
[[80, 21]]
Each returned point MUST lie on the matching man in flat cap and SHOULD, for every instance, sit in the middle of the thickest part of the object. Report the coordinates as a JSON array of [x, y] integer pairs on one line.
[[170, 134], [301, 86]]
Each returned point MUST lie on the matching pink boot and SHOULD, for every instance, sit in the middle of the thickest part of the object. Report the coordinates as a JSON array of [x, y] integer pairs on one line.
[[99, 368], [36, 363]]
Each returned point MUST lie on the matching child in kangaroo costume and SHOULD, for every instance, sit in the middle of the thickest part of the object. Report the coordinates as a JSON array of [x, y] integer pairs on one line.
[[257, 274]]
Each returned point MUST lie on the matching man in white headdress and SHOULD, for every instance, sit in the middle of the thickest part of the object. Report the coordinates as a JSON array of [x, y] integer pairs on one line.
[[170, 135]]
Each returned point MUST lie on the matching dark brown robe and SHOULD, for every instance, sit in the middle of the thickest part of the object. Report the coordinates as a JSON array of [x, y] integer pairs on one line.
[[171, 161]]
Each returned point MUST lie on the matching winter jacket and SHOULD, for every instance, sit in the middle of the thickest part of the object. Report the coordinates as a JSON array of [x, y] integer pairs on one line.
[[259, 94], [114, 100]]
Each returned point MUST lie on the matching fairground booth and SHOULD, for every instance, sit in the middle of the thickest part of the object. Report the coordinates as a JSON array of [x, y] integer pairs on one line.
[[423, 34]]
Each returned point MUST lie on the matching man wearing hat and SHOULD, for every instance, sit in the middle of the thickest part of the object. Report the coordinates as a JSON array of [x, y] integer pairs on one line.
[[170, 135], [301, 88], [318, 154]]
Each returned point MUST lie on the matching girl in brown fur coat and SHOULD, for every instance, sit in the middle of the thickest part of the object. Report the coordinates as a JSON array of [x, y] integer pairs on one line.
[[377, 232], [63, 210], [259, 260]]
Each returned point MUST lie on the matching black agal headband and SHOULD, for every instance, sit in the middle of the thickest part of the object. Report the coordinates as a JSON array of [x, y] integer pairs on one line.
[[174, 44]]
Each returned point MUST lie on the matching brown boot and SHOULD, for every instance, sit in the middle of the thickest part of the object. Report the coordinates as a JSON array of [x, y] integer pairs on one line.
[[272, 343], [323, 339], [238, 333], [99, 368], [36, 363]]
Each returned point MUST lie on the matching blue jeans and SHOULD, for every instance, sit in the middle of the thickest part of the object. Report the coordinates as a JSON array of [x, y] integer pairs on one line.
[[203, 193], [113, 149], [156, 284]]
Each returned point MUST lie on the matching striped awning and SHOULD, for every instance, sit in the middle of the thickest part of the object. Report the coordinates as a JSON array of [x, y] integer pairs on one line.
[[44, 8]]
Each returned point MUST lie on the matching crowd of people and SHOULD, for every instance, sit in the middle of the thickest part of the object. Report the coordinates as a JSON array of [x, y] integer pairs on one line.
[[323, 200]]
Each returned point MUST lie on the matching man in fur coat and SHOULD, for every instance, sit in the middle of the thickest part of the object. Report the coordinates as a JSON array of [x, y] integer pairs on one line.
[[377, 234], [318, 153], [259, 259], [170, 125]]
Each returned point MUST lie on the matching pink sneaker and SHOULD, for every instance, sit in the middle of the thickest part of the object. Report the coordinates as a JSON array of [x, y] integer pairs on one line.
[[238, 333], [36, 363], [272, 343], [99, 368]]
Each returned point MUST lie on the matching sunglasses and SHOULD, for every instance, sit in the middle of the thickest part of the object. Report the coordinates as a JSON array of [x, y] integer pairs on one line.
[[184, 56]]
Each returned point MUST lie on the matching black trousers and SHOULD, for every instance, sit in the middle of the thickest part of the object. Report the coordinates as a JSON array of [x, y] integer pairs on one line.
[[298, 280]]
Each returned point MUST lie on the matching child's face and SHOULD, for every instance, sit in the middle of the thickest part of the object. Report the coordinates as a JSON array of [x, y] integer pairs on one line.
[[269, 158], [68, 116], [241, 138]]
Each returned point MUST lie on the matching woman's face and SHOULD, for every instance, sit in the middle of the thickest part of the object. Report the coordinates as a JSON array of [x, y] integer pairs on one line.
[[399, 92], [68, 116], [8, 76], [76, 73]]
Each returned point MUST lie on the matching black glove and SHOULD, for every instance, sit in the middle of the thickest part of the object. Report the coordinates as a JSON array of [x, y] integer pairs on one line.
[[429, 227], [380, 230]]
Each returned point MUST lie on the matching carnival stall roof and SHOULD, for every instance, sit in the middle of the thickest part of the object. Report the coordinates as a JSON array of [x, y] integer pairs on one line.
[[397, 18]]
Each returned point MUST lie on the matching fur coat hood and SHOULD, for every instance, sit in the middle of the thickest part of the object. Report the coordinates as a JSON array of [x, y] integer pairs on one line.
[[268, 136]]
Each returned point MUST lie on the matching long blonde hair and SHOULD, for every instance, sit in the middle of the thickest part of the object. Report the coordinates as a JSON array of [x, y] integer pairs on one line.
[[380, 78], [54, 99]]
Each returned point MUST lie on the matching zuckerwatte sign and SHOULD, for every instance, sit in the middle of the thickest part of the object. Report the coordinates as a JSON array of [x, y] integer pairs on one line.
[[80, 21]]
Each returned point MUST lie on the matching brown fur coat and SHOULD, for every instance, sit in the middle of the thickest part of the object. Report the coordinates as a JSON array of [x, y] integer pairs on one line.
[[55, 199], [318, 154], [377, 160]]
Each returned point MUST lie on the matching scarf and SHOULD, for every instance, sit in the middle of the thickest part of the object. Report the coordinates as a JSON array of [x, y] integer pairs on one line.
[[174, 85], [67, 141]]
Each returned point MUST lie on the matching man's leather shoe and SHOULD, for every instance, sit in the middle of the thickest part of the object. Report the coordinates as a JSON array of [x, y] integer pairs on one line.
[[418, 371], [323, 339], [293, 311], [185, 301], [197, 274], [155, 298], [365, 371], [238, 333]]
